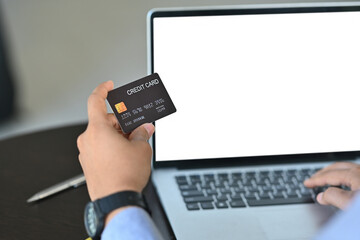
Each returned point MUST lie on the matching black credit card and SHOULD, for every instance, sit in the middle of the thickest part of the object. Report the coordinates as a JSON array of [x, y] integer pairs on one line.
[[142, 101]]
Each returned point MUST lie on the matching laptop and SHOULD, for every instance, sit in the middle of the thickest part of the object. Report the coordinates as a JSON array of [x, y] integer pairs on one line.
[[266, 95]]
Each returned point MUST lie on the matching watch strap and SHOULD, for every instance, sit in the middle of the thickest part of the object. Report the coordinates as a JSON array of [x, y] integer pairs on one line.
[[120, 199]]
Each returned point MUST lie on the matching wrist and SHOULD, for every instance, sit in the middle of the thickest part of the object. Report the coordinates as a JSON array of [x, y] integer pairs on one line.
[[104, 192], [101, 211]]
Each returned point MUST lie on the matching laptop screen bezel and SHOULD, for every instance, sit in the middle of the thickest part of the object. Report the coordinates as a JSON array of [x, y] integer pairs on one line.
[[251, 10]]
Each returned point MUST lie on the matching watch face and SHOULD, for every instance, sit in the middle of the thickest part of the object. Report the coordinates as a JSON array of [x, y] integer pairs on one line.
[[91, 220]]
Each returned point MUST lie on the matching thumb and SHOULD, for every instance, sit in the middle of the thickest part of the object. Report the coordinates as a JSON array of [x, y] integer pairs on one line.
[[142, 133], [335, 196]]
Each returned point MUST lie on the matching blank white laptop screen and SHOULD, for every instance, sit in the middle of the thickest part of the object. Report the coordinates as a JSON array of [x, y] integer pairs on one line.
[[257, 85]]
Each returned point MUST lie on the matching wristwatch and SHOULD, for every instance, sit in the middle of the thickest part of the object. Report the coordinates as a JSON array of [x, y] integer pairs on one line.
[[95, 212]]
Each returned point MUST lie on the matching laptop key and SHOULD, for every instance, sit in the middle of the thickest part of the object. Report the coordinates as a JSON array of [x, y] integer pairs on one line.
[[280, 187], [222, 198], [250, 196], [305, 191], [211, 191], [267, 188], [182, 177], [187, 187], [221, 204], [279, 201], [181, 180], [261, 182], [192, 193], [195, 181], [225, 190], [209, 177], [264, 195], [289, 181], [233, 184], [239, 190], [252, 189], [277, 180], [207, 205], [247, 184], [237, 204], [249, 174], [278, 195], [292, 194], [223, 176], [291, 171], [236, 175], [198, 199], [292, 186], [219, 184], [192, 206], [304, 171], [205, 186], [307, 194], [236, 196], [195, 176]]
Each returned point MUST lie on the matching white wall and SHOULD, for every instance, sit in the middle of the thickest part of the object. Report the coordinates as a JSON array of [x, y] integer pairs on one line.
[[63, 49]]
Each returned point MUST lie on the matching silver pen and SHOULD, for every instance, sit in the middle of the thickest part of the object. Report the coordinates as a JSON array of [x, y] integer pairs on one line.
[[72, 182]]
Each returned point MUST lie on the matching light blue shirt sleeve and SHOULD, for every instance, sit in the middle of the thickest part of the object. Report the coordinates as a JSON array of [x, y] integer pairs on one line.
[[345, 225], [135, 223], [131, 223]]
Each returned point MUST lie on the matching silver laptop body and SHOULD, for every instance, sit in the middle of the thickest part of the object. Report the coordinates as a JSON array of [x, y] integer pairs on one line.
[[258, 88]]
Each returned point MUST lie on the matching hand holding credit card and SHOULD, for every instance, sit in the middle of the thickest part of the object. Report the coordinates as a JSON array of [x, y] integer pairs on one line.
[[142, 101]]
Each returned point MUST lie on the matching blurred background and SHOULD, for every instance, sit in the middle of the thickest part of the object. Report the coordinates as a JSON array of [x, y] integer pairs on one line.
[[53, 53]]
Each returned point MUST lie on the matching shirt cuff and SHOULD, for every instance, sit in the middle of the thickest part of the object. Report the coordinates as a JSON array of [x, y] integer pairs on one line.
[[131, 223], [345, 225]]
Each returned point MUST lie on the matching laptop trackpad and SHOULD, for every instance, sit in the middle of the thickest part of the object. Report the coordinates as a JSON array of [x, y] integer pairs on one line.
[[223, 226], [298, 222]]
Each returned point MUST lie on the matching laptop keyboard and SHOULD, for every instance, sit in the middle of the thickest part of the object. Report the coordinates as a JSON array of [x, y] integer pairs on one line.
[[246, 189]]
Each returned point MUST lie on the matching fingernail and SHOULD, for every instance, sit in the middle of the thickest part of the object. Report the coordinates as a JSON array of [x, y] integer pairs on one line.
[[320, 197], [149, 128], [109, 82]]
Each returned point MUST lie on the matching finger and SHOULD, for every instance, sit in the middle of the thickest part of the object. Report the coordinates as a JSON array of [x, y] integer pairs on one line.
[[335, 196], [113, 121], [80, 158], [142, 133], [331, 177], [337, 165], [79, 141], [97, 110]]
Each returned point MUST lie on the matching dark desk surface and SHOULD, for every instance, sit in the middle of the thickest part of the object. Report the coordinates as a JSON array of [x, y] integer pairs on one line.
[[36, 161]]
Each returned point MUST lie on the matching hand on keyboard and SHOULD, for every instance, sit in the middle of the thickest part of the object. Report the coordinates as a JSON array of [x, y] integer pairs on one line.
[[338, 174]]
